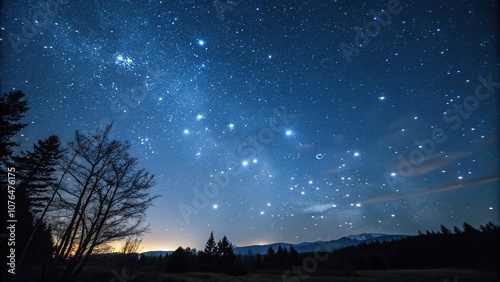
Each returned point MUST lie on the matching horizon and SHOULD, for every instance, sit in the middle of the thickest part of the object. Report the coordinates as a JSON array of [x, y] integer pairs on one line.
[[267, 243], [273, 243], [274, 122]]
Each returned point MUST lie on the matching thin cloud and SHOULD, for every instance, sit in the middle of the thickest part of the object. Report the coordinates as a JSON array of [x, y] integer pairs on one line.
[[449, 187], [318, 208]]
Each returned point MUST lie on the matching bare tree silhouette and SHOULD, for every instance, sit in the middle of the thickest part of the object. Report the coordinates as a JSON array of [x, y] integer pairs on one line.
[[103, 199]]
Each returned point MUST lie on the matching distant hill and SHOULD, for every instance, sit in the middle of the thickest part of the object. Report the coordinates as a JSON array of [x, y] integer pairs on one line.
[[156, 253], [325, 246]]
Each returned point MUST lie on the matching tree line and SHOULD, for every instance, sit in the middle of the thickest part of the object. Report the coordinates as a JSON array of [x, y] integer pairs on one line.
[[219, 257], [469, 247], [70, 201]]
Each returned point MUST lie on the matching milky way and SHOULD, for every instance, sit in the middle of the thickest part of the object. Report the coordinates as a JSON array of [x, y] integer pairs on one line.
[[273, 121]]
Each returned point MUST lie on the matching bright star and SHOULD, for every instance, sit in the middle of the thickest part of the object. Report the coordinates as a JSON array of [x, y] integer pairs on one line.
[[288, 133], [186, 131], [356, 154], [198, 117], [201, 42], [215, 207], [244, 163]]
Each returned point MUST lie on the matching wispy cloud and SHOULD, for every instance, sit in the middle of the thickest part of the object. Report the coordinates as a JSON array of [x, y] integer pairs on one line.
[[319, 208], [438, 161], [453, 186]]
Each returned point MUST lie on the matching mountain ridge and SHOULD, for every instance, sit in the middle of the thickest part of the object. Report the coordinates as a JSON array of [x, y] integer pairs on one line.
[[324, 246], [308, 247]]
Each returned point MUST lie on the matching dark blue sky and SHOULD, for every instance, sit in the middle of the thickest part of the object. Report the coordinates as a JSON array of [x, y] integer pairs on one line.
[[272, 121]]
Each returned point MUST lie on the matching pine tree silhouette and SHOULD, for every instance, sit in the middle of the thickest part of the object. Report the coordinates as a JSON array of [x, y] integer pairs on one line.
[[444, 230], [224, 248], [211, 245], [12, 110], [36, 172]]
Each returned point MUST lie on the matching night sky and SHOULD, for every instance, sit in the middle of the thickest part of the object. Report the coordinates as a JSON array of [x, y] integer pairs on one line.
[[275, 121]]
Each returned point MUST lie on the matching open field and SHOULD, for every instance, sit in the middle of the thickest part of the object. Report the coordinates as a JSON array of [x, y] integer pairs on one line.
[[409, 275], [431, 275]]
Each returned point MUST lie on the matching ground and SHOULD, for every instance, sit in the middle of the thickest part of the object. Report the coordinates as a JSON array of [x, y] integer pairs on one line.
[[431, 275]]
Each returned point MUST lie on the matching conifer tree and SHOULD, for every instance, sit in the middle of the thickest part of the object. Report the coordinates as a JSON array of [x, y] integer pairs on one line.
[[293, 256], [468, 229], [225, 248], [225, 253], [12, 110], [444, 230], [280, 256], [269, 258], [36, 172], [211, 245]]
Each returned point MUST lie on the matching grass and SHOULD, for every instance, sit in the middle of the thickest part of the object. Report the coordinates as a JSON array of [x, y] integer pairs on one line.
[[101, 274], [438, 275]]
